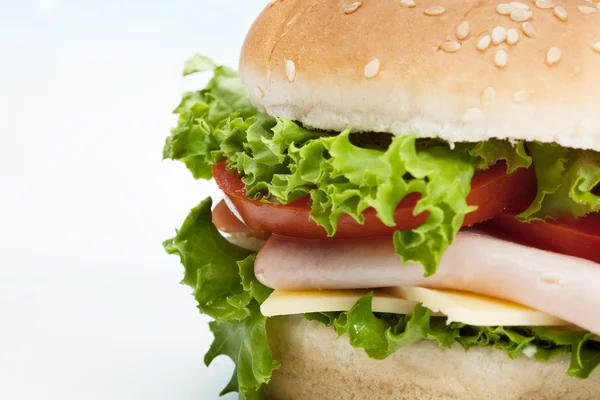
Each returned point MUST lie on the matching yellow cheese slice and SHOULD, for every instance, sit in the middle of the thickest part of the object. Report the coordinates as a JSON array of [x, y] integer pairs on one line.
[[467, 308], [473, 309], [283, 302]]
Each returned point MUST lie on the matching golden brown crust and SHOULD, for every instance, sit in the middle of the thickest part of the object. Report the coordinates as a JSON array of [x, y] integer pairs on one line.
[[309, 60], [316, 365]]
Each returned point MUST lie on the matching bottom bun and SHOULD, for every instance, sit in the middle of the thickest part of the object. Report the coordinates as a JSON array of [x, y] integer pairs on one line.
[[314, 365]]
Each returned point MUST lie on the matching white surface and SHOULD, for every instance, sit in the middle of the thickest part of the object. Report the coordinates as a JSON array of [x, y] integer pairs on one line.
[[90, 305]]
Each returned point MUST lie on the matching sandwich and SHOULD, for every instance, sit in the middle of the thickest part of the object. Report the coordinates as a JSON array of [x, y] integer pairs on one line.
[[411, 201]]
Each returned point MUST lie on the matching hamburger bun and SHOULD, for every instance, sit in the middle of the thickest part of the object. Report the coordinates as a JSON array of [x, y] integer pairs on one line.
[[315, 364], [457, 70]]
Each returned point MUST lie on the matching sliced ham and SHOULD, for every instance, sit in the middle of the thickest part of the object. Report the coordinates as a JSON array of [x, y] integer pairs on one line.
[[238, 233], [228, 222], [560, 285]]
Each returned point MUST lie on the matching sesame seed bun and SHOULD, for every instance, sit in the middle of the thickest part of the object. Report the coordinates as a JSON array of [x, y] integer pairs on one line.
[[457, 70], [314, 365]]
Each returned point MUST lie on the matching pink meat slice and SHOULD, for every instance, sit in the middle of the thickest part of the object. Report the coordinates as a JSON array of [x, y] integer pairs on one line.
[[563, 286]]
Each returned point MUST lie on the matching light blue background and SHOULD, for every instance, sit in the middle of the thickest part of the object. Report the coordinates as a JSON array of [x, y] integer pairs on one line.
[[90, 306]]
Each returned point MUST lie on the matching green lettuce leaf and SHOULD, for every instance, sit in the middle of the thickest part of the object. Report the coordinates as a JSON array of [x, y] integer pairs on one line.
[[488, 153], [325, 318], [381, 336], [568, 182], [225, 287], [198, 63], [207, 117], [585, 353]]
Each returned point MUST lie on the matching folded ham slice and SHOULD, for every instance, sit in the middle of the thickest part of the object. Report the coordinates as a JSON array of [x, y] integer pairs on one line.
[[560, 285], [226, 221]]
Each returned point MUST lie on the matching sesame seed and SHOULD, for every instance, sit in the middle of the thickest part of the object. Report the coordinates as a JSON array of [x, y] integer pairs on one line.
[[488, 96], [259, 93], [544, 4], [435, 11], [407, 3], [561, 13], [587, 9], [553, 56], [352, 7], [372, 68], [451, 47], [512, 36], [596, 47], [463, 30], [484, 43], [522, 96], [522, 6], [471, 115], [529, 29], [501, 58], [504, 8], [520, 15], [576, 69], [290, 70], [293, 20], [498, 35]]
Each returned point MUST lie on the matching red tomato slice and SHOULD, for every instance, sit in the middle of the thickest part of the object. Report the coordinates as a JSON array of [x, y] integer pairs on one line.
[[492, 191], [573, 237]]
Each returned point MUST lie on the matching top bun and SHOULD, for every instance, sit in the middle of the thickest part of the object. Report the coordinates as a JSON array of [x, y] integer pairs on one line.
[[457, 70]]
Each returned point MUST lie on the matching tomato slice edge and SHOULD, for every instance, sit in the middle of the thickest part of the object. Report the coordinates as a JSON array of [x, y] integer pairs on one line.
[[569, 236]]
